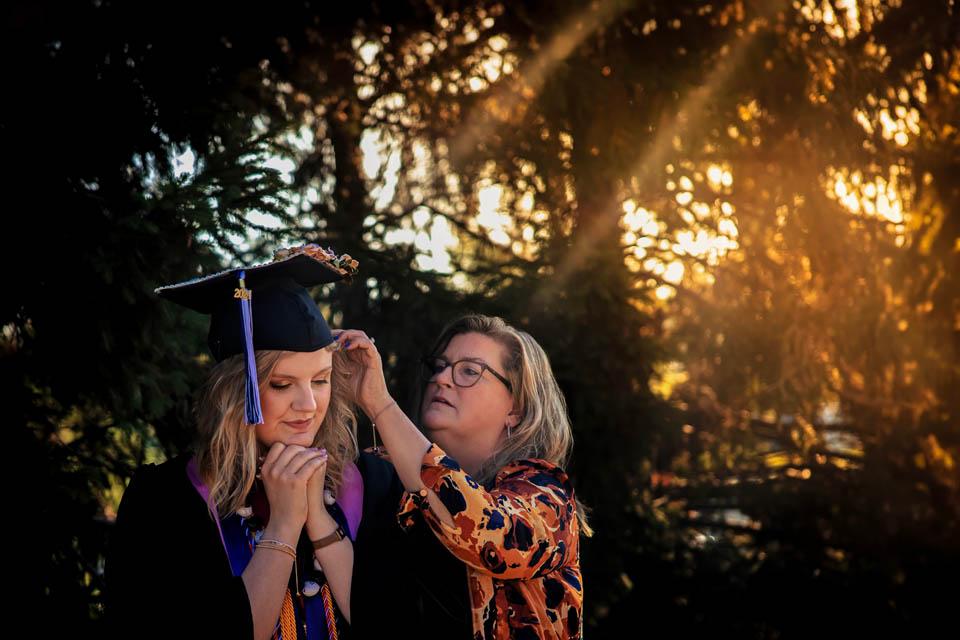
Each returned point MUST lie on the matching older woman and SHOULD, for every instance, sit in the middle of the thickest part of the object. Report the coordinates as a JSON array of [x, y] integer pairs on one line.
[[484, 479], [248, 534]]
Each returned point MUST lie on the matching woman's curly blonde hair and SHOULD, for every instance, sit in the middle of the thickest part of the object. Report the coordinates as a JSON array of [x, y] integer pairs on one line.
[[226, 447]]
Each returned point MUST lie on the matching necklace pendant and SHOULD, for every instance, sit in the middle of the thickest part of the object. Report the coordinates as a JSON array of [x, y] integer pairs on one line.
[[310, 588]]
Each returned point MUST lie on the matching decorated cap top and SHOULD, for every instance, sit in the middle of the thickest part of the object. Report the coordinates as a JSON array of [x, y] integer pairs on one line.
[[284, 316], [264, 306]]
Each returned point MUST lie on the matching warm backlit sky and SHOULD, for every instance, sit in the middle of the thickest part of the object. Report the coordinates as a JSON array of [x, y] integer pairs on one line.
[[710, 230]]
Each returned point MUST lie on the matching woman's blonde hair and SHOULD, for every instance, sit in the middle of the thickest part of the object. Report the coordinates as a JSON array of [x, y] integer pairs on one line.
[[226, 447], [544, 429]]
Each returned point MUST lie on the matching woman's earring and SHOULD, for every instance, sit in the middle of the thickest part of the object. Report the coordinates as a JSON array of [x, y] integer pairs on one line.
[[509, 433]]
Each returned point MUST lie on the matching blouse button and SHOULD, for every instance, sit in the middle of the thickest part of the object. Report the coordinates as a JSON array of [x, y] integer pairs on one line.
[[420, 497]]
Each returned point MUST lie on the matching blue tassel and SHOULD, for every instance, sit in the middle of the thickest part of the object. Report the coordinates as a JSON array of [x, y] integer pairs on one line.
[[253, 411]]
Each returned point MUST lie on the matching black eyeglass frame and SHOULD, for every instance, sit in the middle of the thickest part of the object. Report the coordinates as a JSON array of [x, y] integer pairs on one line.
[[428, 362]]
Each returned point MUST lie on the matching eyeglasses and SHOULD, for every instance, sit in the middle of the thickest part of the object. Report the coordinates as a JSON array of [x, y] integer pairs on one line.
[[466, 373]]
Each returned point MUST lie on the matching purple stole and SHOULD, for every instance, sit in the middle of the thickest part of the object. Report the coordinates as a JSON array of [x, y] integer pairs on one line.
[[239, 542]]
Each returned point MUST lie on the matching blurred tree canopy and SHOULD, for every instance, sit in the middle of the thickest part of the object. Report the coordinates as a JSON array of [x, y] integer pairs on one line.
[[733, 225]]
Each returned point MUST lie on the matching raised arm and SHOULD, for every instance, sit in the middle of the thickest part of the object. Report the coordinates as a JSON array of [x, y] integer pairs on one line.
[[400, 436], [522, 528]]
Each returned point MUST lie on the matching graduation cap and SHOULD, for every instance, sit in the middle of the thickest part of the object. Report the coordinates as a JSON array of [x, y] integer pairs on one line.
[[281, 315]]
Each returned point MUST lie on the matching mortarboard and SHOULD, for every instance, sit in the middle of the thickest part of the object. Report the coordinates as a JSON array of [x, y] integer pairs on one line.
[[281, 315]]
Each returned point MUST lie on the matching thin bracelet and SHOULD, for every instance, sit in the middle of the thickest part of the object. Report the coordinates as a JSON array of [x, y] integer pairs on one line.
[[280, 549], [283, 551], [377, 415], [280, 542]]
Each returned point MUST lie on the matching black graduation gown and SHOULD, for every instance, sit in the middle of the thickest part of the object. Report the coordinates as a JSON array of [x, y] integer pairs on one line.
[[167, 575], [404, 583]]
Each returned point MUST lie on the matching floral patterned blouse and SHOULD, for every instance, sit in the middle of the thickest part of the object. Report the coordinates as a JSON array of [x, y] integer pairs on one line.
[[519, 540]]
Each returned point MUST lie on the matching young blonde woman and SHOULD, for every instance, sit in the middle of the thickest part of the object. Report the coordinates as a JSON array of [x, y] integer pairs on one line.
[[484, 479], [248, 534]]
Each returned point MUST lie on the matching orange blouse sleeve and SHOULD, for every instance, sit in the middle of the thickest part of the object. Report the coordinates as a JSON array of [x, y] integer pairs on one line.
[[524, 527]]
